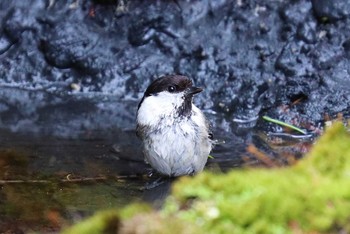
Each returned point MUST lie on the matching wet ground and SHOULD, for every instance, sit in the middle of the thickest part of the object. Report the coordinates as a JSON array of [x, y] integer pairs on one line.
[[72, 73]]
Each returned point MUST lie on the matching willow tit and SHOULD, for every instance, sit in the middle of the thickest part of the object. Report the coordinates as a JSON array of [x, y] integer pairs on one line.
[[175, 133]]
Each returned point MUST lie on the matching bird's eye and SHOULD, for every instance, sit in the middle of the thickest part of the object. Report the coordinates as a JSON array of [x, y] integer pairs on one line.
[[171, 88]]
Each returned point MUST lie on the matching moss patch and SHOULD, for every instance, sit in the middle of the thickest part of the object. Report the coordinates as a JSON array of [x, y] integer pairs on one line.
[[103, 222], [314, 195]]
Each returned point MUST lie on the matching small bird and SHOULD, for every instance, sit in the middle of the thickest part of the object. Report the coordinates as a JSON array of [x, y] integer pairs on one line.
[[175, 133]]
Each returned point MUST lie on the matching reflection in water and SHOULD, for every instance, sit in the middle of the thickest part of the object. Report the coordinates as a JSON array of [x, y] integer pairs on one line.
[[47, 182]]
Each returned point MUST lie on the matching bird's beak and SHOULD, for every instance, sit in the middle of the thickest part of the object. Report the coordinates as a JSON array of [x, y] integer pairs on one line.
[[193, 90]]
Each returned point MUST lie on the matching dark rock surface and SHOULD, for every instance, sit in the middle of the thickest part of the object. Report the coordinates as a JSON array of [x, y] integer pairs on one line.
[[72, 66]]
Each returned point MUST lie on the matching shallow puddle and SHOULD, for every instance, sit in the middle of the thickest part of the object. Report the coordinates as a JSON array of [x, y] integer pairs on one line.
[[47, 183]]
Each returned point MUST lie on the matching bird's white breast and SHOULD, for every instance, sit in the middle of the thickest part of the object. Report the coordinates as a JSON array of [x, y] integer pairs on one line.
[[173, 145]]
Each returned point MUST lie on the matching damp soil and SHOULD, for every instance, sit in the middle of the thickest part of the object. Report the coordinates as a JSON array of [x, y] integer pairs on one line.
[[73, 72]]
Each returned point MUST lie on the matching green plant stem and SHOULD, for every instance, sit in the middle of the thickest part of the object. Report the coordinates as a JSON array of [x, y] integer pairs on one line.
[[284, 124]]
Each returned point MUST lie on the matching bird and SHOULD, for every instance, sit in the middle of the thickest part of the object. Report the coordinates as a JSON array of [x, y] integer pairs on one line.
[[175, 134]]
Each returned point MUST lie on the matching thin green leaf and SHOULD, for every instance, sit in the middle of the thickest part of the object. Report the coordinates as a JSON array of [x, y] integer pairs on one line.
[[284, 124]]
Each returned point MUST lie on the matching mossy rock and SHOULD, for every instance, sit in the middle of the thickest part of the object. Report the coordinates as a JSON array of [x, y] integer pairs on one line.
[[312, 196], [103, 222], [135, 218]]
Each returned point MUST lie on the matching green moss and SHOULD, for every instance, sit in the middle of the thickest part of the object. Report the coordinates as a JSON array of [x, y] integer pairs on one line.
[[312, 196], [103, 222], [136, 218], [331, 154], [134, 209], [108, 221]]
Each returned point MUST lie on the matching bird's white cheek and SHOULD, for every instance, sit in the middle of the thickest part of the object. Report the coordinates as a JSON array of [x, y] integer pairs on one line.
[[155, 108]]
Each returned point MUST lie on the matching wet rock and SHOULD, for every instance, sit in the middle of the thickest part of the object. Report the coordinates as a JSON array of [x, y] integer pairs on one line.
[[296, 12], [68, 116], [346, 45], [286, 62], [71, 45], [338, 77], [151, 26], [250, 56], [292, 63], [307, 32], [326, 56], [5, 44], [331, 10], [14, 23]]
